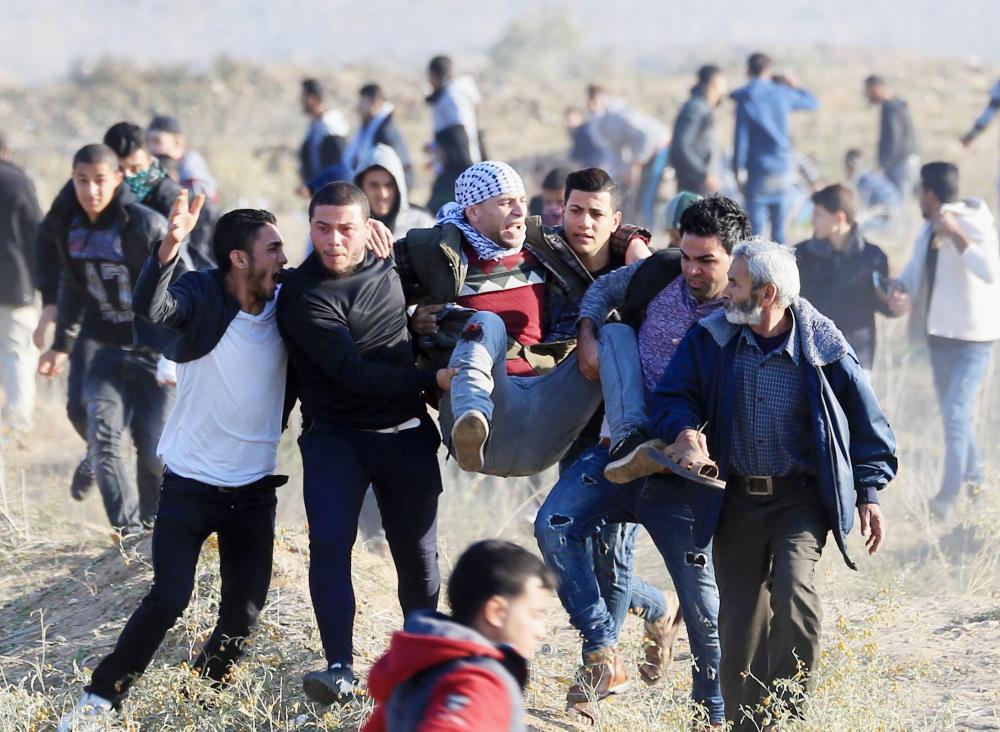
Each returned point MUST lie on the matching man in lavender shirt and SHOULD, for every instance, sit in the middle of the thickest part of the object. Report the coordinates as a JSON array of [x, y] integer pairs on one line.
[[658, 300]]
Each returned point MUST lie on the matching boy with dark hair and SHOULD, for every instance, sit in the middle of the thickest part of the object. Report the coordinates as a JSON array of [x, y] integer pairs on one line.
[[219, 445], [100, 239], [467, 671], [841, 272], [550, 202], [364, 421], [150, 184]]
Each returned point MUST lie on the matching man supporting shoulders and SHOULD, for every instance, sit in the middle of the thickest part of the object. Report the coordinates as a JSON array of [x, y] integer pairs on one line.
[[364, 422], [659, 299], [467, 671], [219, 445]]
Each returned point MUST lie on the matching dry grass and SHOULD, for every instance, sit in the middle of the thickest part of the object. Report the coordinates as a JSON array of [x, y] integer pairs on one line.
[[912, 642]]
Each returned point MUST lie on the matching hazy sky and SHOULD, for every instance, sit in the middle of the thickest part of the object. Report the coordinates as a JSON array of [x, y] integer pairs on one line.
[[40, 39]]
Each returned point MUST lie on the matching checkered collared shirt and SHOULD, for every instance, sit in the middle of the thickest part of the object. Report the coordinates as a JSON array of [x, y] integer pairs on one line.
[[771, 430]]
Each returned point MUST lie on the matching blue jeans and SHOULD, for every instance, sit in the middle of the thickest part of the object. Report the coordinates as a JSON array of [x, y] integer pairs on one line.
[[582, 502], [533, 420], [621, 380], [959, 368], [767, 199], [339, 463], [120, 391]]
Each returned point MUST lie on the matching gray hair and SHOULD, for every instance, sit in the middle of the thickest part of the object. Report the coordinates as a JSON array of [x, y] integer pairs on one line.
[[771, 263]]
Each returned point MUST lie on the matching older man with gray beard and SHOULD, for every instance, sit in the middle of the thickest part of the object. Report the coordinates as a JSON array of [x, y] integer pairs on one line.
[[771, 391]]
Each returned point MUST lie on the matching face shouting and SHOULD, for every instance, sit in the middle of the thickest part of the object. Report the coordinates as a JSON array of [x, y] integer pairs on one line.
[[501, 219], [266, 261]]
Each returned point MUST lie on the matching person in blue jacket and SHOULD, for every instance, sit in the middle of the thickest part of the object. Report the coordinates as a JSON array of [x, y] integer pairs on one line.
[[763, 158], [772, 392]]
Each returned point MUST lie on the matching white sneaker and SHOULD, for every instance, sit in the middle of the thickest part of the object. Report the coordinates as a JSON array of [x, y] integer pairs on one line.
[[468, 440], [92, 712]]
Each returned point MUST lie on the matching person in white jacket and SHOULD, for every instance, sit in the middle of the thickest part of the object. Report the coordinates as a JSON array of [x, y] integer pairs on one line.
[[951, 287]]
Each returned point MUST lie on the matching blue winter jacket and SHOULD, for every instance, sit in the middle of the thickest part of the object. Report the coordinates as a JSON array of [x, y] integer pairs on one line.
[[852, 440], [763, 144]]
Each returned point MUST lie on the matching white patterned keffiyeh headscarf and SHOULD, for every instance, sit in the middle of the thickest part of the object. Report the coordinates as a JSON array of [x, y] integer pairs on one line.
[[478, 183]]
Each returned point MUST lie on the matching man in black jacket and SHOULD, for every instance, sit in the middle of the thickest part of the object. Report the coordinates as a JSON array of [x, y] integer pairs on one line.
[[897, 143], [19, 217], [693, 144], [220, 444], [152, 187], [101, 251], [364, 422]]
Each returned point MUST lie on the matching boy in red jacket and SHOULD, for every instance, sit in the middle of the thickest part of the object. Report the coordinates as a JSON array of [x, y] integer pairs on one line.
[[467, 671]]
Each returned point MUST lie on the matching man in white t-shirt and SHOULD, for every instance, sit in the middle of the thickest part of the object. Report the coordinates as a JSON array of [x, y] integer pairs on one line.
[[219, 444]]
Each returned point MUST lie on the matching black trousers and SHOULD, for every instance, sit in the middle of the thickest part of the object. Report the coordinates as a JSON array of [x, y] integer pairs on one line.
[[338, 465], [190, 511]]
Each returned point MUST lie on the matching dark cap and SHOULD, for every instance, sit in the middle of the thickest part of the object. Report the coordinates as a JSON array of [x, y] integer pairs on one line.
[[165, 123]]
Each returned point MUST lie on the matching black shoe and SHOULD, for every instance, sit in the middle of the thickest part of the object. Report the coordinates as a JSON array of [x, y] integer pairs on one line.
[[627, 460], [83, 480], [333, 685]]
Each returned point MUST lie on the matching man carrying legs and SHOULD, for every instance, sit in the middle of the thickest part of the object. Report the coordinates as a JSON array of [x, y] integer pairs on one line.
[[659, 300]]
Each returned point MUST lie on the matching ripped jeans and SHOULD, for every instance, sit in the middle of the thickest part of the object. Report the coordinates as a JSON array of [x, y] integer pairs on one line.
[[581, 503]]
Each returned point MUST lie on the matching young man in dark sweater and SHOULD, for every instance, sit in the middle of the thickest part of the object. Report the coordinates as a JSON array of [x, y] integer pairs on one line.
[[364, 422], [220, 445], [101, 246]]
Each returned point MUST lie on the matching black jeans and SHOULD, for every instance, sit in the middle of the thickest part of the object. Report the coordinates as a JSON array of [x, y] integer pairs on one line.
[[338, 464], [243, 520], [120, 391], [79, 360]]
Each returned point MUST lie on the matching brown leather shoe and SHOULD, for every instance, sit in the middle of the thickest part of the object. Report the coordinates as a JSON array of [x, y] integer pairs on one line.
[[601, 675], [658, 641]]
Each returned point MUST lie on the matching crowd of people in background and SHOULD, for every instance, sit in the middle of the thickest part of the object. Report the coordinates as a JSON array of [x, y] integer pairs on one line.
[[686, 371]]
